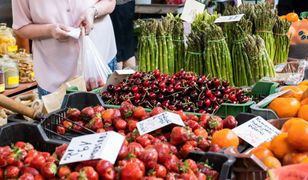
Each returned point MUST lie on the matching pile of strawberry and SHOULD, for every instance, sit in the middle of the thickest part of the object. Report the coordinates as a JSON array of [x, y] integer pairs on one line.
[[135, 162]]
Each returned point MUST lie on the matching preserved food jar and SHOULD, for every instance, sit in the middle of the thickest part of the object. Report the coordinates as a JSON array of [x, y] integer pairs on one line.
[[2, 84], [11, 73], [7, 40]]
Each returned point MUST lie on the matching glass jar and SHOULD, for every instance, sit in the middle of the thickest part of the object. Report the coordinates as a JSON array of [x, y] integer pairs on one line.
[[25, 66], [11, 73], [2, 84], [7, 40]]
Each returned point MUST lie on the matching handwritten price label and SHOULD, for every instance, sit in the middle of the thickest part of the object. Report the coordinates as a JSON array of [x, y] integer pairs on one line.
[[233, 18], [256, 131], [158, 121], [95, 146], [191, 9]]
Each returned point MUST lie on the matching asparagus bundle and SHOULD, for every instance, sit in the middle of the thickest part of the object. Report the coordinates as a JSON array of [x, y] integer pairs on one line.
[[261, 64], [165, 46], [194, 55], [282, 40], [240, 62], [178, 41], [264, 22], [147, 53], [203, 18], [217, 55]]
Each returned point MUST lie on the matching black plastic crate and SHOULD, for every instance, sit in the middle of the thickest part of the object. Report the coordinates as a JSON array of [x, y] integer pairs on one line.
[[81, 100], [222, 163], [19, 119], [31, 133]]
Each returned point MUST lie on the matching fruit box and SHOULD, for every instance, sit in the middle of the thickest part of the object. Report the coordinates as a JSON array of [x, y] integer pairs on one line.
[[31, 133], [226, 109], [81, 100], [263, 112], [222, 163], [262, 89]]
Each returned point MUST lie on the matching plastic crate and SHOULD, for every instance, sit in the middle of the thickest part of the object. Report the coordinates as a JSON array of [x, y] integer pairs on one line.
[[81, 100], [221, 162], [244, 117], [18, 118], [26, 132], [264, 113], [226, 109], [262, 89]]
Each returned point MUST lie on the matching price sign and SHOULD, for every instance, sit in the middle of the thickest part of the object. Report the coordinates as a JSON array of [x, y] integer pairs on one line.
[[256, 131], [94, 146], [233, 18], [270, 98], [191, 9], [159, 121]]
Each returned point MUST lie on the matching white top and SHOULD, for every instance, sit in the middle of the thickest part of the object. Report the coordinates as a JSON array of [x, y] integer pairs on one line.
[[56, 62]]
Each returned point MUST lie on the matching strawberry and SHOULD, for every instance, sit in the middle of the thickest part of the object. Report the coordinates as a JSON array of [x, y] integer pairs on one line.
[[127, 109], [49, 170], [11, 172], [73, 114], [95, 123]]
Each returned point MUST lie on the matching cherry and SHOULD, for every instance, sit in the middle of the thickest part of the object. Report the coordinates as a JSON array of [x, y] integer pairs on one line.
[[213, 99], [216, 82], [232, 97], [137, 75], [200, 103], [110, 87], [208, 93], [137, 96], [217, 93], [146, 83], [135, 89], [152, 95], [162, 85], [207, 102], [170, 89]]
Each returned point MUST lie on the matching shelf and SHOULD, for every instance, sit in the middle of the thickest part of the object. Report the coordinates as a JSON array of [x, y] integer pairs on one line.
[[22, 88]]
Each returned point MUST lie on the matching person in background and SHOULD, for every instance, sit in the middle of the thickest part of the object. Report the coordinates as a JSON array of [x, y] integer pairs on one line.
[[55, 54], [122, 19]]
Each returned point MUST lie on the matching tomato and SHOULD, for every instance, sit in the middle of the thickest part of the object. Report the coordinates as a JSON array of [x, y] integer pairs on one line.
[[149, 157], [163, 152], [11, 172], [135, 148], [90, 173], [105, 169], [160, 171], [26, 176], [131, 171], [64, 171]]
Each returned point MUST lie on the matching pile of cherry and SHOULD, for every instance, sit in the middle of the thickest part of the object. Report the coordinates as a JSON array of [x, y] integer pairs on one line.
[[181, 91]]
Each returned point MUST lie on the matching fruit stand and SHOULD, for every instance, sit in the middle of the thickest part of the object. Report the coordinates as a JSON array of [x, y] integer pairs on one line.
[[227, 101]]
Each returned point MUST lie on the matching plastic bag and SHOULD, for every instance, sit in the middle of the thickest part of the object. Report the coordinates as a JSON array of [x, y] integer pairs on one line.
[[92, 67]]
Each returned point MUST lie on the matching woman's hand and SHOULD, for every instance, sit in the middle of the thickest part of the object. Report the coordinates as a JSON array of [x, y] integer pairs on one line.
[[87, 20], [59, 32]]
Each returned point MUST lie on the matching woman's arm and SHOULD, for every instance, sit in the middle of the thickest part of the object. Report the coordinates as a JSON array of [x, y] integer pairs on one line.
[[104, 7], [43, 31]]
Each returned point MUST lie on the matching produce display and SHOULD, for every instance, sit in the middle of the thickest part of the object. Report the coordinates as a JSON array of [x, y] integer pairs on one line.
[[282, 40], [181, 91], [289, 147]]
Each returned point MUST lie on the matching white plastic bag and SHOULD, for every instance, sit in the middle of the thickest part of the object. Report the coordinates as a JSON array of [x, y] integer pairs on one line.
[[92, 66]]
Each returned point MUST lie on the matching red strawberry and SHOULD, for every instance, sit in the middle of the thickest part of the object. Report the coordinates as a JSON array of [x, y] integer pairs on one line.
[[105, 169], [73, 114], [38, 161], [60, 130], [49, 170], [215, 123], [139, 112], [78, 126], [60, 150], [67, 124], [156, 110], [87, 113], [64, 171], [26, 176], [98, 109], [120, 124], [95, 123], [127, 109], [11, 172], [29, 170], [179, 135], [89, 173]]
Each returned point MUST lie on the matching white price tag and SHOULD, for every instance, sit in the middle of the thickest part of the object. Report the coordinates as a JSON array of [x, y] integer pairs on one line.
[[233, 18], [191, 9], [94, 146], [159, 121], [270, 98], [256, 131]]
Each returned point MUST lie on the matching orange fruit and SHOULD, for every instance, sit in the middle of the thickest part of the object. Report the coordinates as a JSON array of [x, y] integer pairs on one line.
[[261, 152], [303, 112], [271, 162], [303, 87], [286, 126], [298, 136], [294, 158], [280, 146], [305, 161], [304, 101], [305, 82], [265, 145], [225, 138], [292, 17], [285, 107], [294, 92]]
